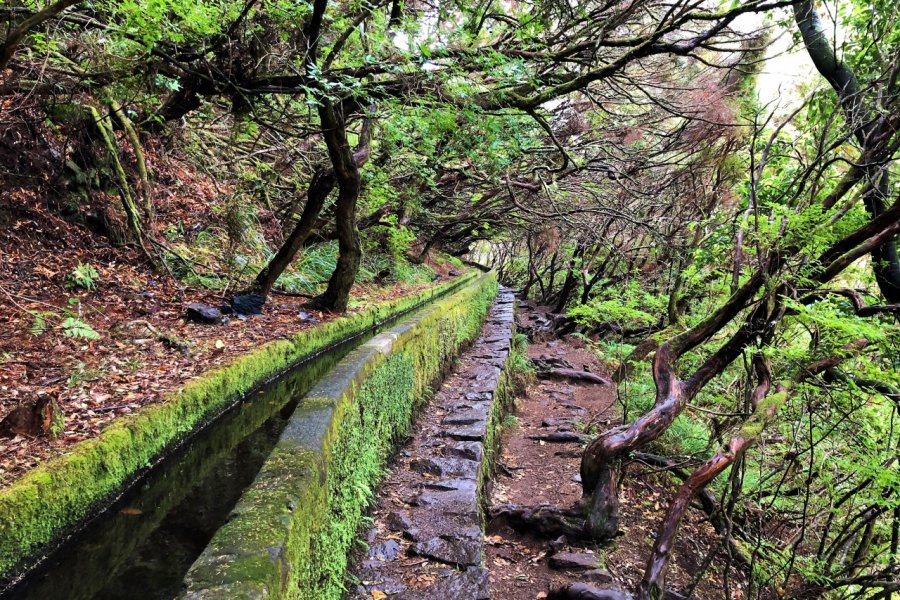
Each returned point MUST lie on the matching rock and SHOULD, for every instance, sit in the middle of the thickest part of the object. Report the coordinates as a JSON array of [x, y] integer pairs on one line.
[[398, 522], [306, 317], [460, 501], [467, 433], [467, 450], [453, 273], [460, 552], [471, 584], [448, 467], [558, 544], [204, 313], [463, 419], [248, 304], [226, 309], [385, 551], [573, 561], [463, 484], [386, 585]]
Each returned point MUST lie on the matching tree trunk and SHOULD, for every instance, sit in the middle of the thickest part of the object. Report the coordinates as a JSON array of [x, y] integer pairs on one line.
[[17, 34], [865, 126], [567, 288], [337, 295], [319, 188]]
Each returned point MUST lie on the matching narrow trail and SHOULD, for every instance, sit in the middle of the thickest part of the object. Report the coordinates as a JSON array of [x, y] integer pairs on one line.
[[427, 542], [533, 470]]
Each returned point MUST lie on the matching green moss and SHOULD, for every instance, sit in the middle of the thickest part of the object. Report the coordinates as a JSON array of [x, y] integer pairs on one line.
[[375, 417], [365, 417], [58, 494], [764, 413]]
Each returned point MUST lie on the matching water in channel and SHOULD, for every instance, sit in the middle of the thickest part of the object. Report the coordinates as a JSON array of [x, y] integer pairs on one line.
[[141, 548]]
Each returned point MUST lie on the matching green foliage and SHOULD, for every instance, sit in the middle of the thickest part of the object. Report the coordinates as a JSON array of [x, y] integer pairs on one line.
[[69, 321], [82, 373], [628, 308], [518, 364], [74, 327], [84, 276], [40, 323]]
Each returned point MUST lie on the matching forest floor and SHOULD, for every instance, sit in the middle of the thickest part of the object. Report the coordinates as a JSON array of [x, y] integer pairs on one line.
[[132, 309], [533, 472]]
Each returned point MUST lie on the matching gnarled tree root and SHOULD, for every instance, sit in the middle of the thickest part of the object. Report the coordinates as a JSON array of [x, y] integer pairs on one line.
[[546, 520]]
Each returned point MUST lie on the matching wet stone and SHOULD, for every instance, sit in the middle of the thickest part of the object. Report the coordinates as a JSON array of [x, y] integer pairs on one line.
[[447, 467], [573, 561], [451, 502], [467, 416], [204, 313], [248, 304], [385, 551], [456, 484], [471, 584], [398, 521], [457, 551], [467, 433], [467, 450]]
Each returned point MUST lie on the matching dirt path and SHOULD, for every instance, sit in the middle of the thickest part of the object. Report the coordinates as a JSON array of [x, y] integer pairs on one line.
[[533, 472]]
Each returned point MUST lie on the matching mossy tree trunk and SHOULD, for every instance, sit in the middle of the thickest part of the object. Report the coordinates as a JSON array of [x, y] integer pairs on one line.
[[868, 127], [322, 184]]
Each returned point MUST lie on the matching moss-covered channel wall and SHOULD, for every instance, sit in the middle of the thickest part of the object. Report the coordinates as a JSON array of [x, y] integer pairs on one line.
[[290, 534], [44, 506]]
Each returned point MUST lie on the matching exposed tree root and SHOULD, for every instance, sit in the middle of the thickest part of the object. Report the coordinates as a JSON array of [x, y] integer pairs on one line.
[[572, 374], [550, 521], [583, 591]]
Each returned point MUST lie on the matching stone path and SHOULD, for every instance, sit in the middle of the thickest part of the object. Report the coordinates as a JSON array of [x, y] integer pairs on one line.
[[427, 540]]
